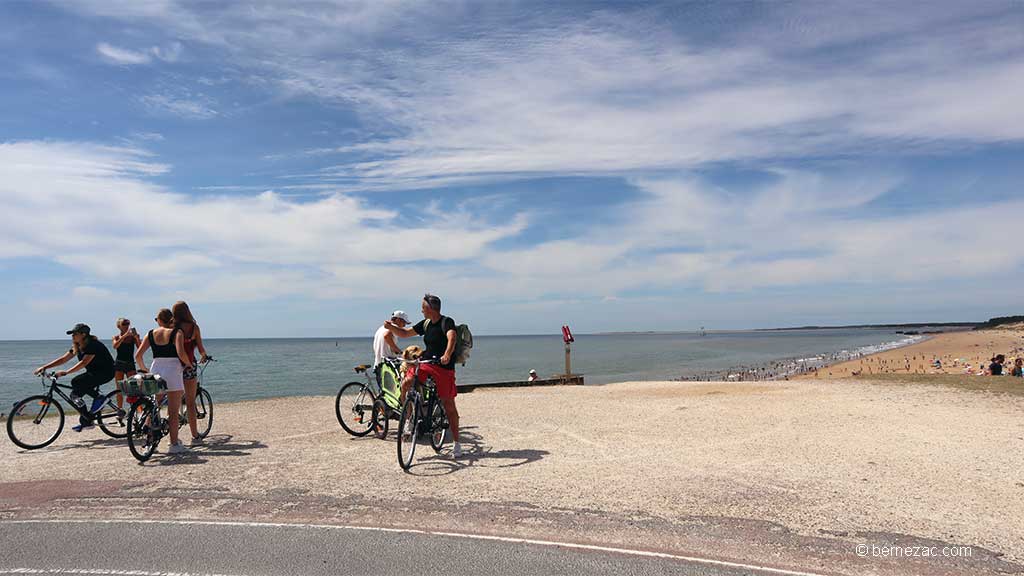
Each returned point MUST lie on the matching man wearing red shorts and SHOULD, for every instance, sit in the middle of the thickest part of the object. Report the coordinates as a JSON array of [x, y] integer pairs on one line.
[[439, 337]]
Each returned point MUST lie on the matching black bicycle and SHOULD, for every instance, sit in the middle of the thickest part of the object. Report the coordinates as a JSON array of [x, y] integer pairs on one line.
[[204, 403], [147, 425], [38, 420], [354, 404], [422, 413]]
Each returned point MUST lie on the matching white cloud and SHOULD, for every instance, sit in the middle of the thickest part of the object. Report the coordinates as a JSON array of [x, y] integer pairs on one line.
[[194, 108], [121, 56], [93, 208], [126, 57], [169, 53], [148, 136], [623, 94], [90, 293], [796, 232]]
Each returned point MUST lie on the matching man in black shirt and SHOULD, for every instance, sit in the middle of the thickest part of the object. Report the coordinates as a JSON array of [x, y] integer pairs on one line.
[[99, 368], [439, 337]]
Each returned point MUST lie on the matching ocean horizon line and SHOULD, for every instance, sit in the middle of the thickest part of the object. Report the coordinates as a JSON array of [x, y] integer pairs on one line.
[[893, 326]]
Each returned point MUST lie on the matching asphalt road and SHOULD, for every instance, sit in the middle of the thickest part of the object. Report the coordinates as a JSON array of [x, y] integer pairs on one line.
[[191, 549]]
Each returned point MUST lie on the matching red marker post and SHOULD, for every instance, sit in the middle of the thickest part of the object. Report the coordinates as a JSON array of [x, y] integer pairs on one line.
[[568, 339]]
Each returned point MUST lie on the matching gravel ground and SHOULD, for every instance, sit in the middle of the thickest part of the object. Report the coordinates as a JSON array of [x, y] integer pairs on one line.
[[792, 473]]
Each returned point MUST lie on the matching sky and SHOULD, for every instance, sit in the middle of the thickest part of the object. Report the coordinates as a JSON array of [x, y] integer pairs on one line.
[[302, 169]]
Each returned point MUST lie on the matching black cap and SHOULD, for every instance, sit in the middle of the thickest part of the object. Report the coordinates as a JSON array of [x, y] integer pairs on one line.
[[79, 329]]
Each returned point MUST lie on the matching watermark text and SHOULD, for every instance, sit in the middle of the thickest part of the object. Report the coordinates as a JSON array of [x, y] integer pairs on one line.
[[893, 551]]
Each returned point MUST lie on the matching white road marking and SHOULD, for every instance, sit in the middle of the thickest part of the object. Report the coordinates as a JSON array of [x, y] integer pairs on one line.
[[513, 540], [97, 572]]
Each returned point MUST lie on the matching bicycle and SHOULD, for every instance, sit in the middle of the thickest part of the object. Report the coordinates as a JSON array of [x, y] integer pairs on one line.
[[204, 403], [146, 424], [355, 405], [421, 400], [38, 420]]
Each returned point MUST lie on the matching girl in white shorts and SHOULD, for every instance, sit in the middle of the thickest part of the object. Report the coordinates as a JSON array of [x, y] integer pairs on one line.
[[169, 360]]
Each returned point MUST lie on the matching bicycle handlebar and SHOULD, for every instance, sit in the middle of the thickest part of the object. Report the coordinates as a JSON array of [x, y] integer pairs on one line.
[[427, 361]]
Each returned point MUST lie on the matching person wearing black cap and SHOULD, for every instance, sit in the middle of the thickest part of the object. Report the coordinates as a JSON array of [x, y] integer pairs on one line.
[[94, 357]]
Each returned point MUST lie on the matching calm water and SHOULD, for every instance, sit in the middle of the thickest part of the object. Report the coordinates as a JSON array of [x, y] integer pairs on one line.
[[249, 369]]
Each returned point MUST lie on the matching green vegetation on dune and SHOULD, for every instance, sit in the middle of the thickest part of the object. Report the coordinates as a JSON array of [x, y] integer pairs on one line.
[[1000, 321]]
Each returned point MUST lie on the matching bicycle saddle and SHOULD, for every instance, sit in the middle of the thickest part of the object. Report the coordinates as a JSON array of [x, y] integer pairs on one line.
[[362, 368]]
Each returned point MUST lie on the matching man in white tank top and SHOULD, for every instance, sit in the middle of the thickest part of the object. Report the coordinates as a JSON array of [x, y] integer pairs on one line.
[[384, 341]]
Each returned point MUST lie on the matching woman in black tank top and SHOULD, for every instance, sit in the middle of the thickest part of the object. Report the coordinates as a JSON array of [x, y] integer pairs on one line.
[[168, 350], [124, 364], [169, 361]]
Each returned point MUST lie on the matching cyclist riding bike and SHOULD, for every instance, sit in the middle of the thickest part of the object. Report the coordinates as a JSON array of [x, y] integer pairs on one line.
[[94, 357], [439, 338]]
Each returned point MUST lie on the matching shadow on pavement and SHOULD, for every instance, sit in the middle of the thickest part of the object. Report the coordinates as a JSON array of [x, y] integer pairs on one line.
[[104, 442], [215, 446], [475, 452]]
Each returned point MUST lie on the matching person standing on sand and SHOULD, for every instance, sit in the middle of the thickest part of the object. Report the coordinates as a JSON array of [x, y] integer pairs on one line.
[[169, 357], [184, 322], [1018, 368], [439, 337]]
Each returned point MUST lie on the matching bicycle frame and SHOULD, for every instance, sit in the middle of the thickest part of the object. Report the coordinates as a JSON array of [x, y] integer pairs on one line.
[[55, 386], [424, 394], [422, 399], [202, 370]]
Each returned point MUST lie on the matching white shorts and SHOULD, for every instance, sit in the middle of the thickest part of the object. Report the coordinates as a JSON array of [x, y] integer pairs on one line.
[[170, 370]]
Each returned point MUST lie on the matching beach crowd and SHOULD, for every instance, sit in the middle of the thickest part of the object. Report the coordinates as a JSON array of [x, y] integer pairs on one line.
[[997, 365]]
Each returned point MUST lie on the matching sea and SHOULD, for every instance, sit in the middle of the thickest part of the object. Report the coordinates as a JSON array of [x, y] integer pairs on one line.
[[248, 369]]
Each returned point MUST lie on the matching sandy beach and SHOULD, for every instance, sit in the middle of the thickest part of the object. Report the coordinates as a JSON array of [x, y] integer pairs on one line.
[[796, 474], [960, 353]]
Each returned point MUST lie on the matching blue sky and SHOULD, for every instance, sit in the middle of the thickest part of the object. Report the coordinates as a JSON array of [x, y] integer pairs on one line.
[[301, 169]]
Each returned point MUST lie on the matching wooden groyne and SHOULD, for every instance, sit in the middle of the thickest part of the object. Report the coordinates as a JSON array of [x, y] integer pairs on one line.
[[570, 380]]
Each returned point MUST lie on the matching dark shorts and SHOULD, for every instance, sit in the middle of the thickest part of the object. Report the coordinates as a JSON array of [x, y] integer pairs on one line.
[[445, 379], [188, 373], [124, 366], [88, 384]]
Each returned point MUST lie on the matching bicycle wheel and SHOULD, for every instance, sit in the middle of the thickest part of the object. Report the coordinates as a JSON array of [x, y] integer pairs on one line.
[[354, 408], [438, 426], [380, 418], [35, 422], [204, 412], [111, 418], [407, 432], [143, 434]]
